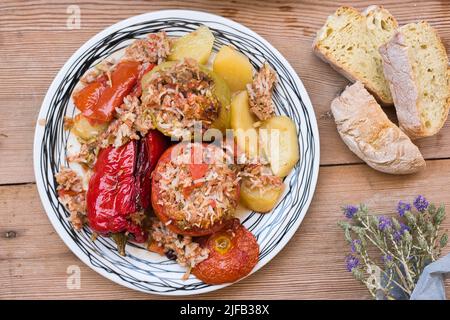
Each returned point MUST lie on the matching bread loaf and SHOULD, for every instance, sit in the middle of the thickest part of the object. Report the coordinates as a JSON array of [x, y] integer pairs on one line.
[[368, 132], [349, 41], [416, 66]]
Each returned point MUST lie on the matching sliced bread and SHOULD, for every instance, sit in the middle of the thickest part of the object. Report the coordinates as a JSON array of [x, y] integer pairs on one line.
[[416, 65], [368, 132], [349, 41]]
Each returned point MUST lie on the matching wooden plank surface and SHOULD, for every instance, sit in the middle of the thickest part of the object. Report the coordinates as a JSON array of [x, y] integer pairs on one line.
[[35, 43], [311, 266]]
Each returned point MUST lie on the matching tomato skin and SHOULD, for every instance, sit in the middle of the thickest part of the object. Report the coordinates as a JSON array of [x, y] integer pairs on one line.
[[231, 262], [198, 170], [123, 79], [160, 211], [197, 167]]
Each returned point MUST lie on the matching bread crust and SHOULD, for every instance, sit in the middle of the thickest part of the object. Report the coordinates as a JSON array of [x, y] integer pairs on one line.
[[330, 59], [367, 131], [398, 71]]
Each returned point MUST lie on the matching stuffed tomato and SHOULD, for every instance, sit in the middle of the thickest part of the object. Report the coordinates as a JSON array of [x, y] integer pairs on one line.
[[233, 253], [194, 189]]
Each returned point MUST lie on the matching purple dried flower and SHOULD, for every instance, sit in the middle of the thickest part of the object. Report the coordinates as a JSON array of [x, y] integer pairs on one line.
[[421, 203], [402, 207], [354, 244], [398, 234], [403, 227], [387, 258], [384, 223], [352, 262], [349, 211]]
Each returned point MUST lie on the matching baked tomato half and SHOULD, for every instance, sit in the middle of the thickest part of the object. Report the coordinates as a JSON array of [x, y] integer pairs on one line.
[[194, 190], [233, 253]]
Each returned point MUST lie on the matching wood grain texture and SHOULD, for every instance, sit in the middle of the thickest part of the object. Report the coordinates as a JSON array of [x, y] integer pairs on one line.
[[35, 43], [34, 263]]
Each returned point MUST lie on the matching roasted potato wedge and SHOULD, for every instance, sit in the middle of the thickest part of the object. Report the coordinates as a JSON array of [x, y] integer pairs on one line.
[[87, 129], [242, 122], [233, 67], [196, 45], [278, 136], [223, 94], [260, 199]]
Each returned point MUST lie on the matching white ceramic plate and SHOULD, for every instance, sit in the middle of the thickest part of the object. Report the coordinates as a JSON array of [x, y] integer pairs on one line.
[[142, 270]]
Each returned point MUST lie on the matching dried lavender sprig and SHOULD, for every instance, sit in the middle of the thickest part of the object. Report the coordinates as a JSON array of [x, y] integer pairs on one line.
[[366, 259], [409, 252], [405, 286]]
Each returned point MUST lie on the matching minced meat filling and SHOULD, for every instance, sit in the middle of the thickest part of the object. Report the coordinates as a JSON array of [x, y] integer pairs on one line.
[[260, 93], [103, 68], [131, 121], [259, 176], [201, 202], [187, 252], [154, 49], [180, 97], [72, 196]]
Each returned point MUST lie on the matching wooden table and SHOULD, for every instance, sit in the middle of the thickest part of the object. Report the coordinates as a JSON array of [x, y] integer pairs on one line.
[[35, 43]]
